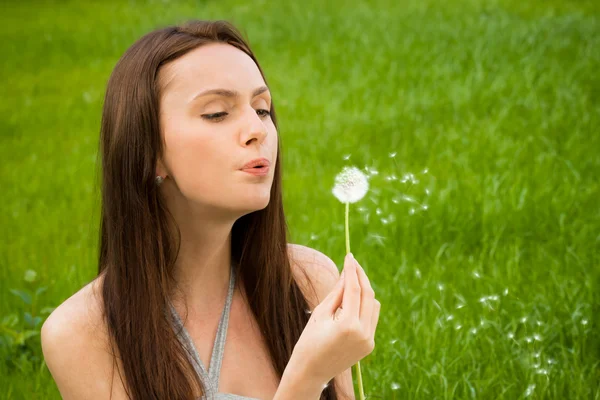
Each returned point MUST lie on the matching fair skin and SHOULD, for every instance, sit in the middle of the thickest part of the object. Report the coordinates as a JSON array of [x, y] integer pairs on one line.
[[206, 192], [204, 187]]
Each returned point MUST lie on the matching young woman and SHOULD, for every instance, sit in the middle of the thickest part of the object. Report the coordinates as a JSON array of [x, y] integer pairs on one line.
[[198, 293]]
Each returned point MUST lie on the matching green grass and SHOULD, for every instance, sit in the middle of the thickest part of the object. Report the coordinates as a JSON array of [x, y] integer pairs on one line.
[[499, 100]]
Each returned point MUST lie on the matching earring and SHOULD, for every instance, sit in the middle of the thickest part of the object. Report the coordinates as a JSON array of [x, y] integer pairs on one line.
[[159, 180]]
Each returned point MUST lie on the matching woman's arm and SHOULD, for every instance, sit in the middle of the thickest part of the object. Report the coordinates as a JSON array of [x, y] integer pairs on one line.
[[323, 274]]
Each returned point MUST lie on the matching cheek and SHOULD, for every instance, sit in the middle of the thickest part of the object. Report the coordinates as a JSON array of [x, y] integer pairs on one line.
[[197, 163]]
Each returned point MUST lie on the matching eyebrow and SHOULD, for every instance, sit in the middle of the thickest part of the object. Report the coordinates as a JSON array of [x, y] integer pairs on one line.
[[229, 93]]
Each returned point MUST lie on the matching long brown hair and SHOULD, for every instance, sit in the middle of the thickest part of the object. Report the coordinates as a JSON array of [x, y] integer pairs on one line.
[[138, 249]]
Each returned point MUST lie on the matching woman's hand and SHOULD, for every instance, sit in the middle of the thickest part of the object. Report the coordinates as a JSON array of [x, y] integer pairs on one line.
[[341, 329]]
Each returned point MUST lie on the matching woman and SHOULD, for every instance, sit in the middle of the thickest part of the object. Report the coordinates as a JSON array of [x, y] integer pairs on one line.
[[193, 250]]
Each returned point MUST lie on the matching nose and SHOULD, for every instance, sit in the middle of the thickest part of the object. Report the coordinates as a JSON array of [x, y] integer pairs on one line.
[[254, 128]]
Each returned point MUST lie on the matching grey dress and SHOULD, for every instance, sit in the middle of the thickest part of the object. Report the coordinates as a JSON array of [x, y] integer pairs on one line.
[[210, 377]]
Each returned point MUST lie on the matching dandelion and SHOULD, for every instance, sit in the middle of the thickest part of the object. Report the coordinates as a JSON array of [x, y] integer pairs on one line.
[[511, 335], [473, 331], [440, 286], [537, 337], [30, 275], [542, 371], [458, 326], [528, 339], [395, 386], [450, 317], [476, 274], [505, 293], [459, 306], [351, 185], [346, 157], [393, 341], [392, 155], [313, 236], [584, 322], [523, 320]]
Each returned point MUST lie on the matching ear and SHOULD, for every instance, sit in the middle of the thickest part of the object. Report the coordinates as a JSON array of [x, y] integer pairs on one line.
[[161, 169]]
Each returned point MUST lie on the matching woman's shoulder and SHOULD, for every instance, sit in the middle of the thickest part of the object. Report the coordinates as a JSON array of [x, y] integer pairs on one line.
[[315, 272], [76, 347]]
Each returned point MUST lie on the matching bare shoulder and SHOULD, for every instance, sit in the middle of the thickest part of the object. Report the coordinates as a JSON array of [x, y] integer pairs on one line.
[[76, 347], [314, 271]]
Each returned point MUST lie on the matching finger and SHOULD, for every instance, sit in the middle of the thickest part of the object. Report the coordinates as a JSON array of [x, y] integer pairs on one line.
[[366, 298], [333, 300], [375, 316], [351, 300]]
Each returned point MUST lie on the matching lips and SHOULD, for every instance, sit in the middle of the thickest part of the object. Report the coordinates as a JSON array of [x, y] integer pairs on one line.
[[257, 163]]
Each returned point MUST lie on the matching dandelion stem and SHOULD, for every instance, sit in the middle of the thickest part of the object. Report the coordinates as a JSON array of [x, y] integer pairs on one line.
[[347, 229], [356, 367]]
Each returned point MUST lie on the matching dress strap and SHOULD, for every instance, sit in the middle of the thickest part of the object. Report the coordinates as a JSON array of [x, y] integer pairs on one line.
[[210, 377]]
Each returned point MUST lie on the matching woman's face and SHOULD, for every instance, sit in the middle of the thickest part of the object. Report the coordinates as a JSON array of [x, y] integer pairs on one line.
[[210, 136]]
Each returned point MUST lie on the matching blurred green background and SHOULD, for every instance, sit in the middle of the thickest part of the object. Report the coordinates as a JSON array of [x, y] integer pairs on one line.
[[478, 122]]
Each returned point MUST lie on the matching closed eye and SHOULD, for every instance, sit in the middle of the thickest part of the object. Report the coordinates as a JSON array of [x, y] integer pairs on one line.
[[216, 117]]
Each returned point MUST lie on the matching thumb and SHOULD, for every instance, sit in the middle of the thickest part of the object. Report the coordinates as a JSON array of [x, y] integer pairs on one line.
[[334, 299]]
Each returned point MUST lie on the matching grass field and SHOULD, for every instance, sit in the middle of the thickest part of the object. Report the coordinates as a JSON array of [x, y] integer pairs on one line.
[[485, 260]]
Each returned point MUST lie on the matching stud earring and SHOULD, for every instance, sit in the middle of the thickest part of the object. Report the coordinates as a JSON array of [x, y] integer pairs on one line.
[[159, 180]]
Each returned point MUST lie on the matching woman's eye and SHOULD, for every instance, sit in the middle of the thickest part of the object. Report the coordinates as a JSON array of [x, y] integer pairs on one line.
[[263, 113], [215, 116]]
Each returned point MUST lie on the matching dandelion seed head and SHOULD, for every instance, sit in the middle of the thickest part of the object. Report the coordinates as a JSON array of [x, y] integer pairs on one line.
[[346, 157], [523, 320], [505, 293], [395, 386], [551, 361], [473, 331], [450, 317], [313, 236], [528, 339], [459, 306], [390, 178], [584, 322], [392, 155], [537, 337], [378, 211], [539, 323], [511, 335], [411, 211], [351, 185], [440, 286], [537, 355], [476, 274], [424, 207], [536, 365], [393, 341], [542, 371], [426, 170], [30, 275], [457, 326], [417, 273]]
